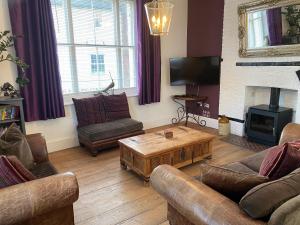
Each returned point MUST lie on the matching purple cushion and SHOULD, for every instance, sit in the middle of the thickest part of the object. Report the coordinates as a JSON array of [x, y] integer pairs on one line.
[[10, 175], [89, 110], [281, 160], [116, 107], [289, 163], [20, 168], [272, 159]]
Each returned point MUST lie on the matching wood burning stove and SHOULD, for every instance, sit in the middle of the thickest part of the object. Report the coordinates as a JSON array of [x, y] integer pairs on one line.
[[265, 123]]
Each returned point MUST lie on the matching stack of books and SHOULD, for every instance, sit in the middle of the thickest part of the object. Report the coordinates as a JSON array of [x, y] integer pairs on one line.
[[9, 112]]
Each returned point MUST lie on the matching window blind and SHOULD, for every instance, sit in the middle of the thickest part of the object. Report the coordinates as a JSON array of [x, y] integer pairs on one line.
[[95, 38]]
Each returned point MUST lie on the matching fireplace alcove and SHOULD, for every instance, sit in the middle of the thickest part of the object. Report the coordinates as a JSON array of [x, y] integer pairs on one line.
[[268, 111]]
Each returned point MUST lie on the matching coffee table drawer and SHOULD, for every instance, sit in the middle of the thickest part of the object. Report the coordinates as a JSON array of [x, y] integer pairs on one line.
[[160, 160], [139, 163], [182, 155], [126, 155], [200, 150]]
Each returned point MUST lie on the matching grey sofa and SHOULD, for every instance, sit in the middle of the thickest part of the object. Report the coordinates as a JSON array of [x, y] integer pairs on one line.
[[191, 202]]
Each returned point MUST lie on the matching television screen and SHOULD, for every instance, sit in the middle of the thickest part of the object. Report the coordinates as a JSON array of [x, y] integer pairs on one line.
[[195, 70]]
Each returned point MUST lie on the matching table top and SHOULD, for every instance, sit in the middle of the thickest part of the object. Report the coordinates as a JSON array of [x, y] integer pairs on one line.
[[155, 143]]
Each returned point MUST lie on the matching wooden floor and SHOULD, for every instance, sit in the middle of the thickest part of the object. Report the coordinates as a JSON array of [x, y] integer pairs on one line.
[[110, 195]]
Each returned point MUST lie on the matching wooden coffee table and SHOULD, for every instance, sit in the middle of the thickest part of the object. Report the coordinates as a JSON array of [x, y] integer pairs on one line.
[[144, 153]]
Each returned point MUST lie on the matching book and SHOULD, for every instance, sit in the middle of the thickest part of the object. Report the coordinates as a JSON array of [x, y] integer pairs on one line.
[[9, 112]]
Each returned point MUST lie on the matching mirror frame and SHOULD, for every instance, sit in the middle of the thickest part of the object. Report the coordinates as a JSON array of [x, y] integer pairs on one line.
[[271, 51]]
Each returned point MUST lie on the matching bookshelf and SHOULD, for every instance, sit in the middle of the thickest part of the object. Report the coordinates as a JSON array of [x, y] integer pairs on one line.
[[9, 103]]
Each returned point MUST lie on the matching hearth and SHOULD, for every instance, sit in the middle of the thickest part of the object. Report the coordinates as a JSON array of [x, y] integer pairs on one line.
[[265, 123]]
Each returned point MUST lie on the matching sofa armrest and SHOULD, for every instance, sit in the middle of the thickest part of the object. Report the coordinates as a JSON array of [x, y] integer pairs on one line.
[[196, 201], [28, 200], [290, 132], [38, 147]]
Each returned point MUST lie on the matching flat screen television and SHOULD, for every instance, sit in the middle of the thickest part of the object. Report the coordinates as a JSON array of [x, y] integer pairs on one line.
[[195, 70]]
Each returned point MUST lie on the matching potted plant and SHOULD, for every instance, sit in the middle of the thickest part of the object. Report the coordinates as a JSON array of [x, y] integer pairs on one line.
[[292, 15], [6, 42]]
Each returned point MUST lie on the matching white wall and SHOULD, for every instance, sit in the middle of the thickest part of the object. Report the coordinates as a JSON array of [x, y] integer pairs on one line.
[[7, 70], [234, 80], [61, 133]]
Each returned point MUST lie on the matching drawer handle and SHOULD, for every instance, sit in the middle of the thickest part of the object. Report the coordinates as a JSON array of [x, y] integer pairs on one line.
[[182, 154]]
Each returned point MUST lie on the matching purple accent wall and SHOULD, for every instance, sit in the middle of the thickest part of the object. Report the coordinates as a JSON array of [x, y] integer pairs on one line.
[[204, 38]]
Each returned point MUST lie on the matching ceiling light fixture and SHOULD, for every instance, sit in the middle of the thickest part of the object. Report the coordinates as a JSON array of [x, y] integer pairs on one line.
[[159, 15]]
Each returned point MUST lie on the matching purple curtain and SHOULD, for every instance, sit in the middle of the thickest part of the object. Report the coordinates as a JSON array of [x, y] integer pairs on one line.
[[33, 21], [149, 59], [275, 26]]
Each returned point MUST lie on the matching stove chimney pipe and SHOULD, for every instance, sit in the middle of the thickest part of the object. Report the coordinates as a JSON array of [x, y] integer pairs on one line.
[[274, 99]]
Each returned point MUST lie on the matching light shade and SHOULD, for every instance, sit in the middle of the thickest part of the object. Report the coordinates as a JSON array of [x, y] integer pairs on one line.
[[159, 15]]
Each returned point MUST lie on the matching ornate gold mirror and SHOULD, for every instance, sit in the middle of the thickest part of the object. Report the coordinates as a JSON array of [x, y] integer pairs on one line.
[[269, 28]]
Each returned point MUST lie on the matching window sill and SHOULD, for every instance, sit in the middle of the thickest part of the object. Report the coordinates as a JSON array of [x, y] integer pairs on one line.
[[130, 92]]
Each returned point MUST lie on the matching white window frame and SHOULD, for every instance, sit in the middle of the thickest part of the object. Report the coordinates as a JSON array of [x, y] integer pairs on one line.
[[72, 46], [252, 21], [98, 65]]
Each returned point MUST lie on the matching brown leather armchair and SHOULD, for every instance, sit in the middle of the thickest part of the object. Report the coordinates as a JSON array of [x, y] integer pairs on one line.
[[45, 201], [191, 202]]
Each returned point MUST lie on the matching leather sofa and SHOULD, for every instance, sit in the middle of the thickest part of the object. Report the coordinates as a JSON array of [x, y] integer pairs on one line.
[[191, 202], [44, 201]]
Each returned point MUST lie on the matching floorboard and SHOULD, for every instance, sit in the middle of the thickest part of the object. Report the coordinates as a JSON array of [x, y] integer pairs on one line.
[[110, 195]]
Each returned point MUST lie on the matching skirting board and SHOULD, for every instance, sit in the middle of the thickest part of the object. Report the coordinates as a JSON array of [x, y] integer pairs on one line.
[[71, 142], [57, 145], [235, 127], [212, 123]]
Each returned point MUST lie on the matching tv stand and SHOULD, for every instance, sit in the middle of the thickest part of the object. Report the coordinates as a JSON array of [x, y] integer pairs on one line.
[[182, 111]]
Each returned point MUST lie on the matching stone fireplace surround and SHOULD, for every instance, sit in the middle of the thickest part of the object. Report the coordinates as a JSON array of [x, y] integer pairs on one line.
[[257, 95], [235, 93]]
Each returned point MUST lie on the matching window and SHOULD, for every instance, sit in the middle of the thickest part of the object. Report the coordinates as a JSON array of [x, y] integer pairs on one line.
[[98, 21], [97, 64], [95, 37], [258, 30]]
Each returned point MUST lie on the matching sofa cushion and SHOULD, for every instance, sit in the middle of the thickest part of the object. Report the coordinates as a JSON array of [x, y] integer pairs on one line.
[[11, 175], [20, 168], [116, 107], [231, 183], [264, 199], [102, 131], [254, 161], [272, 159], [89, 110], [13, 142], [281, 160], [44, 169], [240, 167], [287, 214]]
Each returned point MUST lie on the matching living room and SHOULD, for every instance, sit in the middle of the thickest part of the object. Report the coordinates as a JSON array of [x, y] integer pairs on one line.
[[116, 134]]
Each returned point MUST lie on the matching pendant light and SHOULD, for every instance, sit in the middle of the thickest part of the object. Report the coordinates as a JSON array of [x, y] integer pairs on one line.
[[159, 15]]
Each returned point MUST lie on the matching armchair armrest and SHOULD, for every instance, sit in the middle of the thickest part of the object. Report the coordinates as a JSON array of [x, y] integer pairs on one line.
[[291, 132], [38, 147], [28, 200], [196, 201]]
